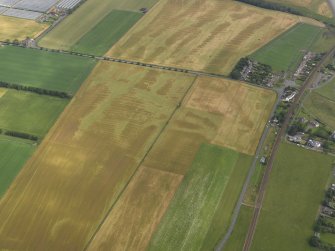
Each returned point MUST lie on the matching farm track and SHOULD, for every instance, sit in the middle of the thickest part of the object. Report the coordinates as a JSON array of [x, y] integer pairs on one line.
[[131, 62], [281, 134]]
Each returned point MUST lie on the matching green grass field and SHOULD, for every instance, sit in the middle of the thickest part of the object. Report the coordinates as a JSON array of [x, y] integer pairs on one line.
[[321, 108], [325, 42], [193, 208], [316, 9], [106, 33], [327, 91], [284, 53], [85, 18], [295, 191], [28, 112], [43, 69], [14, 153], [236, 240], [224, 210]]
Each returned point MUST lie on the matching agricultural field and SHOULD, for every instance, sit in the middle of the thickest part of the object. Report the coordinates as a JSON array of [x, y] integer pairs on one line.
[[296, 188], [43, 69], [286, 51], [321, 108], [325, 42], [327, 91], [222, 112], [130, 224], [320, 7], [190, 214], [85, 18], [14, 28], [236, 240], [174, 152], [201, 35], [98, 41], [112, 122], [14, 153], [28, 112]]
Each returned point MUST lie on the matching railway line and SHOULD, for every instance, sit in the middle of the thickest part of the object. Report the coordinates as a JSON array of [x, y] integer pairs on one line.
[[281, 134]]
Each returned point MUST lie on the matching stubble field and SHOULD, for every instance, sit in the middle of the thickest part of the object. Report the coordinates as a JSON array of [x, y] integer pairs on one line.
[[14, 28], [206, 35]]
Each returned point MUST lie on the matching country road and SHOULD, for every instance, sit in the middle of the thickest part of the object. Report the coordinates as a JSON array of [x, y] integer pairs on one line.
[[281, 134]]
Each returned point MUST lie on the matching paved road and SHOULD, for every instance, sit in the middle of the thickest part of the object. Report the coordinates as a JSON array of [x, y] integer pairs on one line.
[[252, 168], [281, 134], [332, 5]]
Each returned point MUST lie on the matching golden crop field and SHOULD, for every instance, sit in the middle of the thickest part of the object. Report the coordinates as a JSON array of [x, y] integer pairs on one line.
[[245, 110], [68, 186], [15, 28], [222, 112], [209, 35], [320, 7], [200, 119], [131, 223]]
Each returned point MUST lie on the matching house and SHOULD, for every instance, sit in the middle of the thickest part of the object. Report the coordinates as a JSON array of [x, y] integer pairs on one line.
[[289, 97], [295, 139], [314, 124], [263, 160], [333, 136], [313, 143], [328, 211]]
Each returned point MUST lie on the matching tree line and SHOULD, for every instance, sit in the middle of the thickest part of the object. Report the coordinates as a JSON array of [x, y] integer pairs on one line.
[[21, 135], [36, 90], [272, 6]]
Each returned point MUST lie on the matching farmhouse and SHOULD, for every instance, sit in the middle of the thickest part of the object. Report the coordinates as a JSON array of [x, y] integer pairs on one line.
[[313, 143]]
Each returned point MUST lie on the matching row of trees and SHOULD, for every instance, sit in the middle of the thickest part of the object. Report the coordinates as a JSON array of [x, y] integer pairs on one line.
[[21, 135], [317, 243], [37, 90], [272, 6]]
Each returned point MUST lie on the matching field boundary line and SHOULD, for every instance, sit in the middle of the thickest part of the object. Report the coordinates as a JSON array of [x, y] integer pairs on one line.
[[87, 245], [195, 73]]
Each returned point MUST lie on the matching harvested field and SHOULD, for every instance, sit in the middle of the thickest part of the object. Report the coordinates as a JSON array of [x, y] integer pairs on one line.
[[28, 112], [85, 18], [208, 35], [223, 112], [292, 200], [14, 153], [98, 41], [111, 123], [286, 51], [137, 213], [244, 109], [14, 28], [190, 213], [52, 71]]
